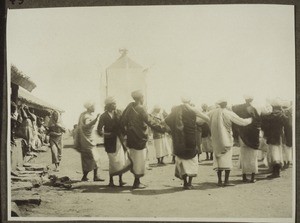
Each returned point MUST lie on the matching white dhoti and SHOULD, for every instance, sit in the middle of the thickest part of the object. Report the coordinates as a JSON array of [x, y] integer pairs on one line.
[[248, 160], [138, 159], [162, 147], [206, 145], [188, 167], [118, 161], [287, 153], [275, 154], [223, 161]]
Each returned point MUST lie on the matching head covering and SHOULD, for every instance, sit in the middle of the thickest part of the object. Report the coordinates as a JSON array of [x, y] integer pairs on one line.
[[286, 103], [248, 97], [88, 104], [185, 99], [267, 109], [204, 106], [137, 94], [157, 106], [109, 100], [276, 102], [221, 100]]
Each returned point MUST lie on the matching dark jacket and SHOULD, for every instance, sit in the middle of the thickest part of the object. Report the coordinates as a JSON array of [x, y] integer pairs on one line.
[[111, 130], [135, 120], [182, 123], [198, 137], [250, 133], [288, 130], [273, 126], [205, 130]]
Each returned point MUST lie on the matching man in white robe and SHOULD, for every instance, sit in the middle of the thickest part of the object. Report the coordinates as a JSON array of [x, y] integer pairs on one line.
[[221, 120]]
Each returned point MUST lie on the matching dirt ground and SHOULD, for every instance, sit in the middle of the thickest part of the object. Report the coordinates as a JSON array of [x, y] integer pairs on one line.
[[164, 196]]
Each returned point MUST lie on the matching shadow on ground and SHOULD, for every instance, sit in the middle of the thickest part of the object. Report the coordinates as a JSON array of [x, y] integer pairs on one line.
[[128, 189], [148, 191], [205, 186], [205, 163], [103, 189], [155, 165]]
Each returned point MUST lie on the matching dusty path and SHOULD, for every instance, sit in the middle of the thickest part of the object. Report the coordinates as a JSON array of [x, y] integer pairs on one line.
[[164, 196]]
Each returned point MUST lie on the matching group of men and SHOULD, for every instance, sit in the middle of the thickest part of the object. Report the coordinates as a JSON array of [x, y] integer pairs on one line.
[[26, 125], [34, 132], [126, 136]]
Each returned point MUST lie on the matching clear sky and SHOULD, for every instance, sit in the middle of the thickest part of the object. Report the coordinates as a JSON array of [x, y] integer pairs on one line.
[[205, 51]]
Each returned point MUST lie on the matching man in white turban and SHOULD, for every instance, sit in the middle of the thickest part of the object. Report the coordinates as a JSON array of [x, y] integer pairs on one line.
[[248, 138], [113, 141], [221, 120], [90, 159], [138, 95], [272, 126], [182, 122], [160, 141], [135, 120], [109, 101], [89, 105]]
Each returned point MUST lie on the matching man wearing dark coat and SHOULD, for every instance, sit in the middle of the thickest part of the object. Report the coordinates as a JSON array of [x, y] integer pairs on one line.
[[248, 138], [134, 121], [182, 122], [273, 126], [113, 140]]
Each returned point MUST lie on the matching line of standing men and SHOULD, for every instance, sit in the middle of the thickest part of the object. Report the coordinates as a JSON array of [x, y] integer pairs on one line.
[[125, 138]]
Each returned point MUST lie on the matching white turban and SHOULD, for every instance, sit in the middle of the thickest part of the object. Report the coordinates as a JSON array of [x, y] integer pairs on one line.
[[286, 103], [204, 106], [89, 104], [137, 94], [157, 106], [109, 100], [248, 97], [221, 100], [266, 109], [185, 99], [276, 102]]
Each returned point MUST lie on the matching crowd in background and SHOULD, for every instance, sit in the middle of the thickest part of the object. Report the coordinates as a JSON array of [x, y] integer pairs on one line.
[[36, 131]]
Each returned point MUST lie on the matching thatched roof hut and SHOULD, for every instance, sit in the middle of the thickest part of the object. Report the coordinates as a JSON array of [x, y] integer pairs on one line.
[[20, 79]]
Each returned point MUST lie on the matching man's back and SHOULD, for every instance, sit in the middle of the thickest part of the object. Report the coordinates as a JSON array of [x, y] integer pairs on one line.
[[135, 126], [189, 127], [272, 125], [250, 133], [135, 120], [182, 122], [221, 120]]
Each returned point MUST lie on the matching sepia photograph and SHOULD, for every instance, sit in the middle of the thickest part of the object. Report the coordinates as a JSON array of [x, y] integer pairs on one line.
[[151, 113]]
